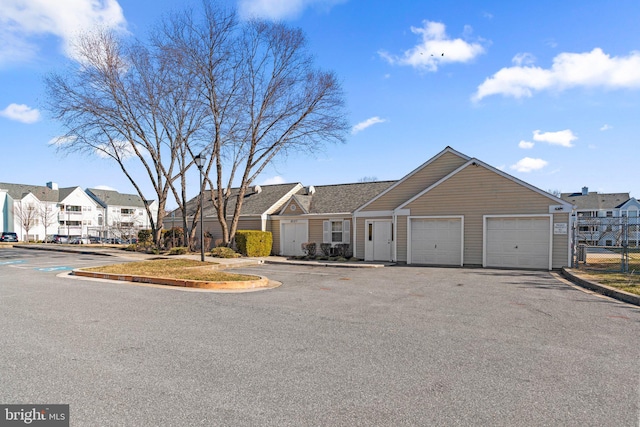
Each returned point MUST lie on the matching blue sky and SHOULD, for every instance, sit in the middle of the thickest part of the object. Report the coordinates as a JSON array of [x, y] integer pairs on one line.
[[547, 91]]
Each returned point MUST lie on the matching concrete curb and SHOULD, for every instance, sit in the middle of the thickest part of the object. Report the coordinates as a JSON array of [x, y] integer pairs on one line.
[[262, 282], [601, 289], [337, 264]]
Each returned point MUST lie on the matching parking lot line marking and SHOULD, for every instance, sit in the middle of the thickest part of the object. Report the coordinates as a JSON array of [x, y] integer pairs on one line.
[[58, 268], [15, 261]]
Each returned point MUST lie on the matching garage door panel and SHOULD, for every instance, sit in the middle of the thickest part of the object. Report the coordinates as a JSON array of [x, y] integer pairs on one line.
[[517, 242], [436, 241]]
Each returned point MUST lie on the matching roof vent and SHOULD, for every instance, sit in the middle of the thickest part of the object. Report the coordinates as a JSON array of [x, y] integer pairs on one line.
[[585, 191], [257, 189], [311, 190], [52, 185]]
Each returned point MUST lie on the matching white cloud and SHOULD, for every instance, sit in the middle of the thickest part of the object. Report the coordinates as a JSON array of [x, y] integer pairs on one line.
[[23, 22], [274, 180], [21, 113], [104, 187], [280, 9], [528, 164], [366, 123], [121, 149], [62, 140], [606, 127], [435, 48], [523, 59], [562, 137], [526, 145], [589, 69]]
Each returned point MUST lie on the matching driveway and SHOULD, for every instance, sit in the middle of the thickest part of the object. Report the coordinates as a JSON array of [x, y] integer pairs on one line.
[[331, 346]]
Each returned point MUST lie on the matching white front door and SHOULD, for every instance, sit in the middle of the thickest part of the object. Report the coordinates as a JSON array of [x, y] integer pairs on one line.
[[294, 234], [378, 237]]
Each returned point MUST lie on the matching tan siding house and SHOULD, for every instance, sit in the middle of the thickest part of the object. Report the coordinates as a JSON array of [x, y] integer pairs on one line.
[[453, 210]]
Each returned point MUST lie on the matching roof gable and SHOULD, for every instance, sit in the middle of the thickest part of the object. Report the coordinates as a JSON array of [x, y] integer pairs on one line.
[[258, 200], [632, 202], [427, 173], [478, 163], [41, 192], [595, 201], [114, 198]]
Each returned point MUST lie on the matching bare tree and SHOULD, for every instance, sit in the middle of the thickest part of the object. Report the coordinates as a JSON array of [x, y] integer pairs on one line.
[[368, 179], [47, 216], [27, 215], [264, 96], [128, 103], [243, 92]]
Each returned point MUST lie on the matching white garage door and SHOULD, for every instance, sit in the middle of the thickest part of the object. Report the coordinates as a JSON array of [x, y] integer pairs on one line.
[[436, 241], [517, 242], [294, 234]]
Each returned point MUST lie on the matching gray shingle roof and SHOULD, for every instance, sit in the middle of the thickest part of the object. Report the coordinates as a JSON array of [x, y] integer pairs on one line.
[[114, 198], [342, 198], [42, 193], [254, 203], [594, 200]]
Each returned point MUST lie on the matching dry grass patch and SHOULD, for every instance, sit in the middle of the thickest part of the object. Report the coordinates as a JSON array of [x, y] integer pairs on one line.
[[623, 281], [184, 269]]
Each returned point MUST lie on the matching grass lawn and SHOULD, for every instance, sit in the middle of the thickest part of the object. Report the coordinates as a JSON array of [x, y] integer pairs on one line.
[[185, 269], [623, 281]]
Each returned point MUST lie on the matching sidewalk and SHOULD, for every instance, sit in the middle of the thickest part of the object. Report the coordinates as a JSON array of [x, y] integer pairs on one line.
[[222, 262]]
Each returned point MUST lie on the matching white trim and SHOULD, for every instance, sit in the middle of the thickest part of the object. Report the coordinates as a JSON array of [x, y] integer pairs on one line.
[[263, 219], [314, 216], [484, 233], [460, 217], [372, 214], [292, 199], [297, 187], [413, 172], [476, 162], [394, 234]]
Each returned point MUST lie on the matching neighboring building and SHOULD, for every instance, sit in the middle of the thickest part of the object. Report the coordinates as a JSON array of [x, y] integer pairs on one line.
[[120, 215], [35, 211], [452, 210], [605, 219]]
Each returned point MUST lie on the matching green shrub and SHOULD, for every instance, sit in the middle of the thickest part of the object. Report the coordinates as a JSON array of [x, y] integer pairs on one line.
[[224, 252], [254, 243], [144, 237], [131, 248], [179, 250]]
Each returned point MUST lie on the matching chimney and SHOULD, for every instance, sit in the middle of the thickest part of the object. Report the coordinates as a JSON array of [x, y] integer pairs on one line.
[[52, 185], [311, 190], [257, 189], [585, 191]]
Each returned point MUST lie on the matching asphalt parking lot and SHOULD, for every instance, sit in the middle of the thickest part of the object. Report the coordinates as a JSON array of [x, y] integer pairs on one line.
[[331, 346]]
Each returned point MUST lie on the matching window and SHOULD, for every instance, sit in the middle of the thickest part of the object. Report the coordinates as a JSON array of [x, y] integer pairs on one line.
[[336, 231], [370, 232], [127, 211], [609, 214]]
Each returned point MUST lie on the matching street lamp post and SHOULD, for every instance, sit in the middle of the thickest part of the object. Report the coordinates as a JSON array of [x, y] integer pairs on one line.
[[199, 160]]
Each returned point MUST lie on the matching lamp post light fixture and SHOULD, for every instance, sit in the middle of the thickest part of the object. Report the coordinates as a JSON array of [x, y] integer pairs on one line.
[[199, 161]]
